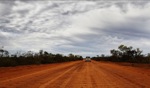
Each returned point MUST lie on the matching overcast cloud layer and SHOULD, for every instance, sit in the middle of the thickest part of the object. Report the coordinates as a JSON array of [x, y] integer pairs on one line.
[[79, 27]]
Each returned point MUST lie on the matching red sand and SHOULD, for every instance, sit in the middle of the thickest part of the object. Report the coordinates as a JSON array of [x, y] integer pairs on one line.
[[77, 74]]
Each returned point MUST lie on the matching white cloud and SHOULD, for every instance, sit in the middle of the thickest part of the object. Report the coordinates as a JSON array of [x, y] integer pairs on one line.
[[80, 27]]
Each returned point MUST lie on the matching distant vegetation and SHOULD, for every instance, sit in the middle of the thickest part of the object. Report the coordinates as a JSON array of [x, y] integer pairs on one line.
[[122, 54], [28, 58], [125, 54]]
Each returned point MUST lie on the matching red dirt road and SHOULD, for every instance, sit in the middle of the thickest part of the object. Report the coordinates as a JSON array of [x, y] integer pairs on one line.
[[77, 74]]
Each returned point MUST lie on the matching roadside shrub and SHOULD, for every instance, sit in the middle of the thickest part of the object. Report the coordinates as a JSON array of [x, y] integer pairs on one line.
[[29, 58]]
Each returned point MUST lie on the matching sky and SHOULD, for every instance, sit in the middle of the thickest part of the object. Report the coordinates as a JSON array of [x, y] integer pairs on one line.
[[82, 27]]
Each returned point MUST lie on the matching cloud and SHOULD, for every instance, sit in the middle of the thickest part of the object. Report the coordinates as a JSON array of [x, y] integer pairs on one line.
[[80, 27], [5, 7]]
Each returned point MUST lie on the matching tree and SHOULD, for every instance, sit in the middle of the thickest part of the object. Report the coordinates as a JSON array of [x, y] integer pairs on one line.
[[115, 53], [71, 55], [1, 52], [138, 52], [6, 53], [45, 53], [41, 52], [102, 55]]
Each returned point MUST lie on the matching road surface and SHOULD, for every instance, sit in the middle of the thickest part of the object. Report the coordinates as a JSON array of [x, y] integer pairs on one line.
[[77, 74]]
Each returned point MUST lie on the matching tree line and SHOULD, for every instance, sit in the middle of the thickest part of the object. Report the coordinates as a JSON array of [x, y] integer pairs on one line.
[[28, 58], [122, 54], [125, 54]]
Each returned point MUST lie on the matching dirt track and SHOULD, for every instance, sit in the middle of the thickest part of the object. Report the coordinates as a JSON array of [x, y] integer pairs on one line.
[[78, 74]]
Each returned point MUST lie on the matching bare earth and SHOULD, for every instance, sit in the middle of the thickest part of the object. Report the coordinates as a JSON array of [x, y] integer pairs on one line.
[[77, 74]]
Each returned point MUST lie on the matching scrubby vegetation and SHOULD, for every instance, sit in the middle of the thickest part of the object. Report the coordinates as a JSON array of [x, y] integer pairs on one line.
[[125, 54], [122, 54], [28, 58]]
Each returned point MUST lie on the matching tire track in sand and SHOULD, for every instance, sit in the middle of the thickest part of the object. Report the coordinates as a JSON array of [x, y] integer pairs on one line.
[[45, 85]]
